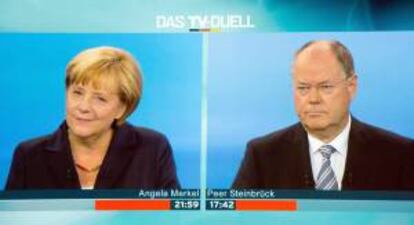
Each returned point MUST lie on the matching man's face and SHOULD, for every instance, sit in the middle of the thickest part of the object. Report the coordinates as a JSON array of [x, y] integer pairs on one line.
[[322, 92]]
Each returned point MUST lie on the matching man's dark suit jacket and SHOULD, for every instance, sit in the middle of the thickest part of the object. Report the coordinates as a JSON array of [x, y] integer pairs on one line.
[[136, 158], [376, 160]]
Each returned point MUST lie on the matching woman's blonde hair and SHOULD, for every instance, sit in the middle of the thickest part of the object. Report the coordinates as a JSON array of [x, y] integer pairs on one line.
[[108, 65]]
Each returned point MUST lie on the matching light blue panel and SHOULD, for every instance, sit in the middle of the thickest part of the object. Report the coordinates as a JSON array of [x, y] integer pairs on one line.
[[250, 93], [309, 212], [244, 71], [122, 16], [342, 205], [32, 89], [267, 15], [47, 204], [204, 218]]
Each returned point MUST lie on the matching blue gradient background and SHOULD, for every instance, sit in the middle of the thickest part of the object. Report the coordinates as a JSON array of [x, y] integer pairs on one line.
[[127, 16], [268, 15], [250, 94], [32, 89]]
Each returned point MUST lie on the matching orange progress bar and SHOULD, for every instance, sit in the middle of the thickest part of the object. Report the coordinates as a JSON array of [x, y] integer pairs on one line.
[[132, 204], [276, 205]]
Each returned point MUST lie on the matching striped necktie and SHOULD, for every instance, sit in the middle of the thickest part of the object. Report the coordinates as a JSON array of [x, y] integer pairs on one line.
[[326, 178]]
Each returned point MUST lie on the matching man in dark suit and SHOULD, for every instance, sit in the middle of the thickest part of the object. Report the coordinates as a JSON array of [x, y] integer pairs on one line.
[[329, 149]]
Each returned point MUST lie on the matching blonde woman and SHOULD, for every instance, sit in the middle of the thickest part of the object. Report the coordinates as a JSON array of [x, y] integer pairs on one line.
[[95, 148]]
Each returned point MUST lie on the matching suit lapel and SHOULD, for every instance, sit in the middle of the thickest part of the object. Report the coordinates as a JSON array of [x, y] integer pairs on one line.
[[118, 157], [59, 160], [301, 147], [356, 156]]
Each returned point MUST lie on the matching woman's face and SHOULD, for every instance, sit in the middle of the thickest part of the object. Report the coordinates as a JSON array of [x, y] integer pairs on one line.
[[90, 112]]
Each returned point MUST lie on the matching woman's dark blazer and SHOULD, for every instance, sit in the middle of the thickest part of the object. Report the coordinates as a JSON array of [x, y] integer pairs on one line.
[[136, 158]]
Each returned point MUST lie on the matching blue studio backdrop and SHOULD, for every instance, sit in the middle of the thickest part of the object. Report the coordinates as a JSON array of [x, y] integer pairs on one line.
[[32, 89], [250, 88]]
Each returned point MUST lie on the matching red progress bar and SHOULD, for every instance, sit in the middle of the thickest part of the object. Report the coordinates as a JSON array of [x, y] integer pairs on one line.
[[132, 204], [271, 205]]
